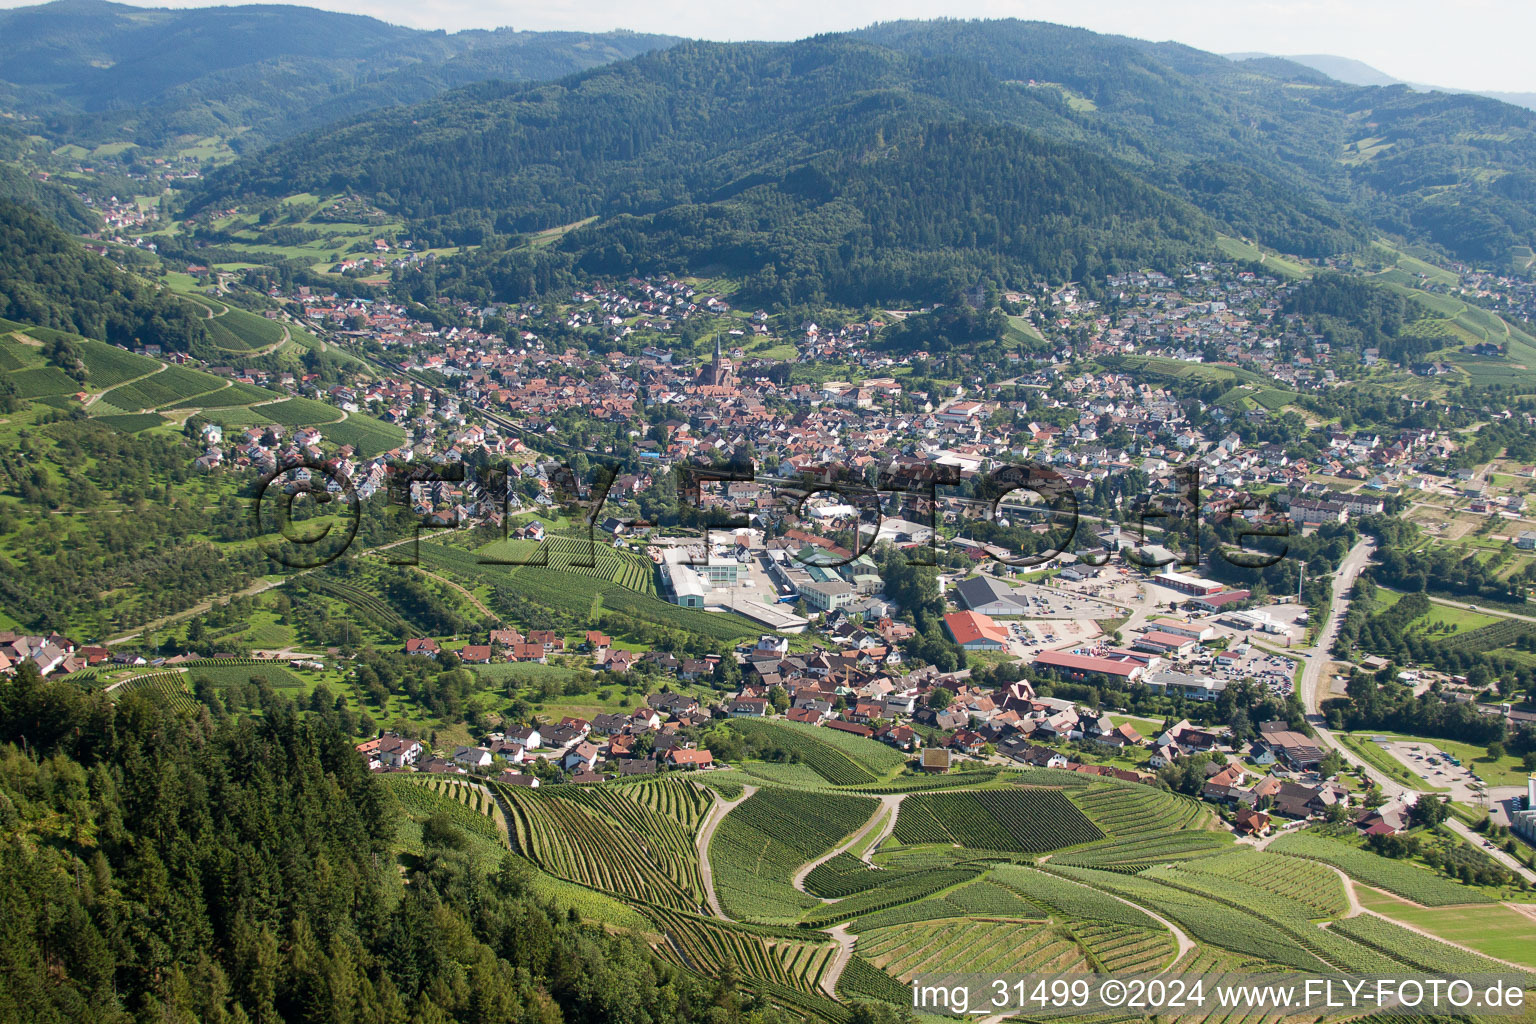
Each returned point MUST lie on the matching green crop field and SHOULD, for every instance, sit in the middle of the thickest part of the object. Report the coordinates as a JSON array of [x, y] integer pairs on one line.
[[761, 842], [1406, 880], [1126, 809], [1494, 930], [223, 673], [107, 365], [1026, 820], [841, 758], [132, 423], [171, 385], [985, 947], [167, 686], [793, 960], [227, 398], [578, 555], [895, 890], [604, 839], [841, 876], [1116, 949], [41, 381], [370, 436], [239, 331], [862, 980], [1070, 899]]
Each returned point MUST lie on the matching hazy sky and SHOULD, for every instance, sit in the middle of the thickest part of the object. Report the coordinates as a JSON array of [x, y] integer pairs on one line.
[[1470, 44]]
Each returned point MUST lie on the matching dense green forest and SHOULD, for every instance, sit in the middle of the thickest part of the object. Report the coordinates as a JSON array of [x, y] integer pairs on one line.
[[165, 866], [100, 72], [1353, 315], [48, 279], [910, 154]]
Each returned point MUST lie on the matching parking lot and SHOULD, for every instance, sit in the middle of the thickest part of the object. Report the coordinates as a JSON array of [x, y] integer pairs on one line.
[[1063, 602], [1274, 673], [1031, 636]]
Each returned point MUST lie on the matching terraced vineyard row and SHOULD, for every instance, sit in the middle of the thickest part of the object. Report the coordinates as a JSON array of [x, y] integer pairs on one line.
[[1071, 900], [571, 836], [1412, 883], [761, 842], [170, 687], [705, 945], [369, 606], [1418, 951], [1287, 920], [1132, 855], [899, 888], [983, 947], [570, 554], [1117, 949], [841, 876], [1309, 883], [955, 780], [813, 751], [172, 384], [982, 897], [862, 980], [107, 365], [677, 799], [1205, 919], [1026, 820], [1127, 809], [468, 807]]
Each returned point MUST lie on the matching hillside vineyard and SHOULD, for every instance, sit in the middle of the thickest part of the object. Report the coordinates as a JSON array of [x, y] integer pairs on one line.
[[946, 519]]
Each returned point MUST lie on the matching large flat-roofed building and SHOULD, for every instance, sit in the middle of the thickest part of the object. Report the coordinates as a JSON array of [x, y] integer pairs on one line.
[[989, 597], [1183, 627], [1523, 821], [975, 632], [688, 575], [1293, 748], [828, 596], [1085, 666], [1158, 642], [1187, 584], [1195, 687], [1216, 602]]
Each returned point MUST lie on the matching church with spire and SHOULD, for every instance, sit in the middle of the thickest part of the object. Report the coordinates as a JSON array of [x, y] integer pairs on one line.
[[718, 372]]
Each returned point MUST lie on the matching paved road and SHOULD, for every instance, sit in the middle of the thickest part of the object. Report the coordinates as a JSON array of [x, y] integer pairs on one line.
[[1318, 659], [1481, 608], [885, 816]]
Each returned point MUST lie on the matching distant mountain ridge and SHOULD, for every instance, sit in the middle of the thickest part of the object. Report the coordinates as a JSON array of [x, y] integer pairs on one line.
[[100, 71], [839, 159], [1355, 72]]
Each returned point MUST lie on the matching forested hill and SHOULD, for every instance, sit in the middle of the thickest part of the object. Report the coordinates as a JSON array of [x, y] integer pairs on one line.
[[1454, 169], [700, 140], [100, 72], [174, 866], [47, 278], [825, 166]]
